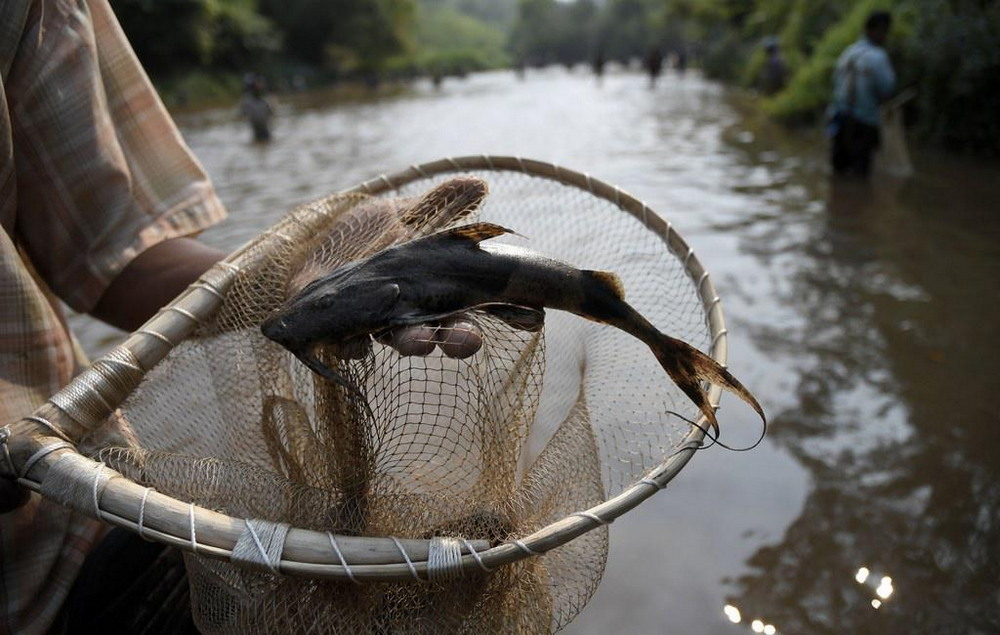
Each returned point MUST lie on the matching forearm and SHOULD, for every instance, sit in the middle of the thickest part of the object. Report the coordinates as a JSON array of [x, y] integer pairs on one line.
[[152, 279]]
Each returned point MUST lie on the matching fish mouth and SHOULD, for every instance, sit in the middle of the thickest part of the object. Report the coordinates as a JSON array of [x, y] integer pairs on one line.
[[274, 329]]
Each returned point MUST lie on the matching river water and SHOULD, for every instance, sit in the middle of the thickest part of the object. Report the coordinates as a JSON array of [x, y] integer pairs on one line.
[[864, 319]]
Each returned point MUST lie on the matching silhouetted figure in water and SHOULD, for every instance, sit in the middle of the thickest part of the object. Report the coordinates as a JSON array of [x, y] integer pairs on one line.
[[774, 75], [256, 109], [680, 61], [598, 64], [653, 64], [863, 79]]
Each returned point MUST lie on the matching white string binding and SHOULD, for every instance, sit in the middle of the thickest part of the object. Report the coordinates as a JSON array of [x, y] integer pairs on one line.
[[701, 281], [48, 424], [97, 394], [110, 361], [185, 313], [42, 453], [343, 560], [194, 540], [444, 558], [260, 545], [160, 336], [406, 556], [204, 286], [526, 549], [98, 473], [142, 513], [65, 484], [722, 333], [687, 258], [4, 438], [594, 517], [651, 482], [475, 556]]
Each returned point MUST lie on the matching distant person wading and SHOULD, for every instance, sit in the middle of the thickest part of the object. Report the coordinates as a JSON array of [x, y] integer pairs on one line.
[[863, 79], [256, 109]]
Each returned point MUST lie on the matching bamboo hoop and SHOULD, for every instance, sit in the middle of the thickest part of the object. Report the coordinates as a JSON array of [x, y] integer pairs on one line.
[[91, 397]]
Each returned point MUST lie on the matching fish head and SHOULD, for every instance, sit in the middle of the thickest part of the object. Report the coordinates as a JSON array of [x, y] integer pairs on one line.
[[328, 312]]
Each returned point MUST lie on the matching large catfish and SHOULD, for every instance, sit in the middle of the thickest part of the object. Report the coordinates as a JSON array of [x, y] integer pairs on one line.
[[451, 272]]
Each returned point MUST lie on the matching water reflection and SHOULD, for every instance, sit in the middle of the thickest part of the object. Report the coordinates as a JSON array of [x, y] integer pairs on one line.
[[896, 283]]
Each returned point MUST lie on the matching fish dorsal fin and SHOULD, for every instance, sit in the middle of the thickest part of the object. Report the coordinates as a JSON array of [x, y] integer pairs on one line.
[[476, 232], [450, 201], [609, 280]]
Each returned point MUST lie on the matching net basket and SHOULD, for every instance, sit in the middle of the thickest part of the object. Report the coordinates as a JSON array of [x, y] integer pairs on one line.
[[444, 495]]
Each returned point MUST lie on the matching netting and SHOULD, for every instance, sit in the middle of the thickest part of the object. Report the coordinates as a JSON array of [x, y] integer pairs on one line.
[[534, 427]]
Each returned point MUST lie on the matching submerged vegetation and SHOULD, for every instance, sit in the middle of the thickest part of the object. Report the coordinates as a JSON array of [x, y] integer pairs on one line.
[[946, 49]]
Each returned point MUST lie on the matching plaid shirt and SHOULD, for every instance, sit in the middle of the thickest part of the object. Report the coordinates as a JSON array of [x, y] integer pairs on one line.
[[92, 172]]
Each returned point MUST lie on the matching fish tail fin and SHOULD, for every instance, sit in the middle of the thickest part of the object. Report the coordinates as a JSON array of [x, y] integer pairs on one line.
[[688, 366]]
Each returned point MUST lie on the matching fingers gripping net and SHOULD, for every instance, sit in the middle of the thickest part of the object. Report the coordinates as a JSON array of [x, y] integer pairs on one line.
[[534, 427]]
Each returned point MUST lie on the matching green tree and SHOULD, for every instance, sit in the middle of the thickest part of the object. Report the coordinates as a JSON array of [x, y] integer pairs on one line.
[[550, 31], [349, 35], [227, 34]]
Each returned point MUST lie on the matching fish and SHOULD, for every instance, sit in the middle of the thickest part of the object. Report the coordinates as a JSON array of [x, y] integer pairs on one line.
[[454, 271], [374, 223]]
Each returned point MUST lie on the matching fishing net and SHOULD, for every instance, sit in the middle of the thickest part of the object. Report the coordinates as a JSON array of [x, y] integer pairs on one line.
[[423, 499]]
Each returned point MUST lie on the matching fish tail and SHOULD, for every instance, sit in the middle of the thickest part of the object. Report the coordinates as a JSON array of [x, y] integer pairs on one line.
[[688, 367]]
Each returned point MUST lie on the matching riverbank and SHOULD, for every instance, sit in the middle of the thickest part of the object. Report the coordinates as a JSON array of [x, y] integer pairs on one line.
[[200, 89]]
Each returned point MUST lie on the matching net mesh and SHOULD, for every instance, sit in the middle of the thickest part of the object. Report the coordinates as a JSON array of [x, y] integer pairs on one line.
[[533, 427]]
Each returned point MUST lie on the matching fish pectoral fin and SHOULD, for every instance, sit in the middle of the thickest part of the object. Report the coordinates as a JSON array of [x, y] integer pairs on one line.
[[522, 318], [609, 280], [476, 232]]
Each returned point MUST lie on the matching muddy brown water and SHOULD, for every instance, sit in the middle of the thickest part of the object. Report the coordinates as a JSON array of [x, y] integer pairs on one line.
[[865, 318]]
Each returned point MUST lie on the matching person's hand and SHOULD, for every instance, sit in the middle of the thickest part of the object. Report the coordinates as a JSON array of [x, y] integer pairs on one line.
[[12, 495], [458, 337]]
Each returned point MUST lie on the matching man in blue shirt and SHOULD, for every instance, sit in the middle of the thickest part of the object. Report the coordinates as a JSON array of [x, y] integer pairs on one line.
[[862, 80]]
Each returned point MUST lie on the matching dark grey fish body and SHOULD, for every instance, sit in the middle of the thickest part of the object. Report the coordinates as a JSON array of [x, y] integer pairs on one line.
[[447, 273]]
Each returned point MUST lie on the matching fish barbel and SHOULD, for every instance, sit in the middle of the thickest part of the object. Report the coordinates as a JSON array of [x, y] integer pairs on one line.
[[454, 271]]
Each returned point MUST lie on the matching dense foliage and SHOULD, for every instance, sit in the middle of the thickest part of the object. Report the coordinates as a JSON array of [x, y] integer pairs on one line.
[[209, 43], [949, 50]]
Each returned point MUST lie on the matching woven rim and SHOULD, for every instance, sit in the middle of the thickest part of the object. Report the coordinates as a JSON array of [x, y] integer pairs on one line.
[[91, 397]]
